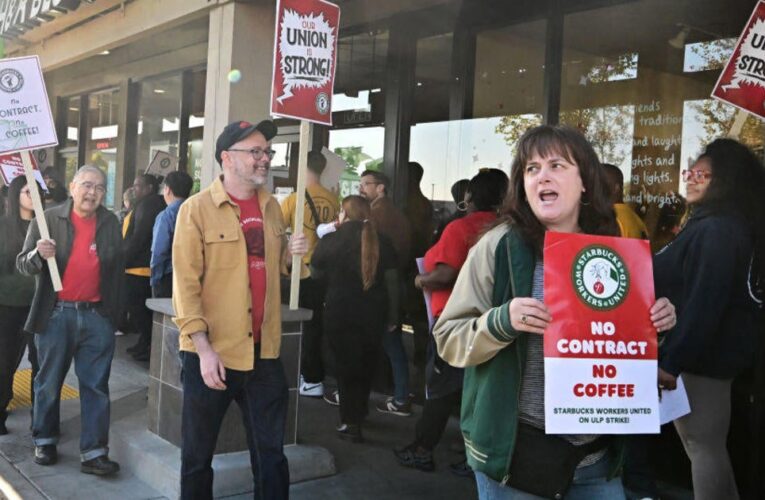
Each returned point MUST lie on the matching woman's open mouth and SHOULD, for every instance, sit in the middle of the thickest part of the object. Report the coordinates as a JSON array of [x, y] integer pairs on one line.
[[548, 196]]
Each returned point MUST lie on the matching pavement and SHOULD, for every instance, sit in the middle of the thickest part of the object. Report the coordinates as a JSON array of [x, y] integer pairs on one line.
[[364, 471]]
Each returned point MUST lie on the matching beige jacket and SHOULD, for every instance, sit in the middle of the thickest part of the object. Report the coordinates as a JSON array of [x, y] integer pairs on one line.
[[211, 283]]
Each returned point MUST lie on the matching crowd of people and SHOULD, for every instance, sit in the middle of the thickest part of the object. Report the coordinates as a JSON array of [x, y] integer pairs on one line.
[[221, 255]]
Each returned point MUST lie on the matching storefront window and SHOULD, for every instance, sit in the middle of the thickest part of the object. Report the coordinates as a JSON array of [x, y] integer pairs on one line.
[[103, 132], [69, 145], [643, 98], [357, 110], [196, 127], [158, 119]]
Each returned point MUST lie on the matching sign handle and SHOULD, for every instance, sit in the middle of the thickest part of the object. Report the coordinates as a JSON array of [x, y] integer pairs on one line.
[[738, 124], [305, 144], [40, 217]]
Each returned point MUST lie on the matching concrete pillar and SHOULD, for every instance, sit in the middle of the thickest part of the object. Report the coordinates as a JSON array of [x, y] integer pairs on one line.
[[241, 37]]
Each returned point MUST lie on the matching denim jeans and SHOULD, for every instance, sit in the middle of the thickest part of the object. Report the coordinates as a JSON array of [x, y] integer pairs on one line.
[[88, 338], [262, 397], [394, 348], [590, 483]]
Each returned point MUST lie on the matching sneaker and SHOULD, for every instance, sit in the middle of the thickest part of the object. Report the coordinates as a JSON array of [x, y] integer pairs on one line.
[[416, 457], [46, 454], [332, 398], [350, 432], [311, 389], [400, 409], [100, 466]]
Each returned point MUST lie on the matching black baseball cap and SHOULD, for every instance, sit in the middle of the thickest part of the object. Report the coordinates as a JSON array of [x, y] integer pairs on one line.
[[238, 130]]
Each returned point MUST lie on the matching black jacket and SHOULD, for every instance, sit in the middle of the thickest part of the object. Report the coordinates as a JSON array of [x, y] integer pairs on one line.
[[704, 272], [108, 247], [139, 231]]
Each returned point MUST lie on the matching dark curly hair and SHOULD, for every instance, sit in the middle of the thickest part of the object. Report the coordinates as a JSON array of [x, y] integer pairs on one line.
[[738, 183], [596, 213]]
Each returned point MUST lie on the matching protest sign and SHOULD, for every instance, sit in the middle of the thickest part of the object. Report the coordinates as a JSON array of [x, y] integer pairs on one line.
[[742, 81], [162, 164], [305, 55], [11, 166], [600, 348], [26, 123]]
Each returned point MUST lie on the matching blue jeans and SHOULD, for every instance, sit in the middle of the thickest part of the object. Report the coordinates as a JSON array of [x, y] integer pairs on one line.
[[262, 397], [394, 348], [590, 483], [88, 338]]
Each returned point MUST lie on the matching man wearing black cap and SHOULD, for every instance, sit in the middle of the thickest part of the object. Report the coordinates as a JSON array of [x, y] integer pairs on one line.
[[321, 207], [227, 252]]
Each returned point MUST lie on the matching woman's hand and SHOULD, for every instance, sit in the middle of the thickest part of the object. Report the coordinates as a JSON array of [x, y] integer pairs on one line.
[[667, 381], [663, 315], [529, 315]]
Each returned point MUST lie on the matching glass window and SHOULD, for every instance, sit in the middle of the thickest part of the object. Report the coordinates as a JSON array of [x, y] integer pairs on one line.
[[103, 132], [196, 127], [68, 149], [158, 119], [432, 78], [509, 71], [642, 95]]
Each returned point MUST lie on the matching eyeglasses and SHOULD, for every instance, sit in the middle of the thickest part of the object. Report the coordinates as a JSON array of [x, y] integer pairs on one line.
[[257, 153], [696, 175], [88, 186], [365, 184]]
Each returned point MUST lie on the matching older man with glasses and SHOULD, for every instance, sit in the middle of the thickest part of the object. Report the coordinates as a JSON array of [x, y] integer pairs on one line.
[[77, 322]]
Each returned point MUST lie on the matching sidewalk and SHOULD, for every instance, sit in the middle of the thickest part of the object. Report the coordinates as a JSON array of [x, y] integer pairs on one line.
[[366, 470]]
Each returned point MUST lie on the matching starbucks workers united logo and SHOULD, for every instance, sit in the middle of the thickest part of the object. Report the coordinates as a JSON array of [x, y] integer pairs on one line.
[[600, 278]]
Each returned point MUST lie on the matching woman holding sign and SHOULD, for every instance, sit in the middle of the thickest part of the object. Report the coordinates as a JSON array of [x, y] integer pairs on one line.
[[16, 291], [495, 318], [711, 271]]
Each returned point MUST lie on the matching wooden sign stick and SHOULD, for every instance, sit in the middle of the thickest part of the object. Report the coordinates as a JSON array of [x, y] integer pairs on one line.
[[738, 124], [305, 144], [40, 217]]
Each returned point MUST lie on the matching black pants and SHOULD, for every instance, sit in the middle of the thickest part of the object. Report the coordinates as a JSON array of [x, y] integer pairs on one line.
[[435, 414], [356, 350], [311, 364], [13, 340], [138, 290], [164, 289], [262, 396]]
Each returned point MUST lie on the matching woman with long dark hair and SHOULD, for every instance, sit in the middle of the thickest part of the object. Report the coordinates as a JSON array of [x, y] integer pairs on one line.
[[359, 267], [713, 271], [16, 291], [495, 318]]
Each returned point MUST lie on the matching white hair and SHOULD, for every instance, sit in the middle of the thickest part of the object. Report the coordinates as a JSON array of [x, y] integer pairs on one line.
[[89, 168]]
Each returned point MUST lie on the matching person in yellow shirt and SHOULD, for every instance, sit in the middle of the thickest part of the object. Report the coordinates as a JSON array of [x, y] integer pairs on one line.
[[630, 224], [321, 206]]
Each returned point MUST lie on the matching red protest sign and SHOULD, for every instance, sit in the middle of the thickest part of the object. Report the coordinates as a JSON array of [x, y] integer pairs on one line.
[[742, 81], [305, 55], [11, 166], [601, 347]]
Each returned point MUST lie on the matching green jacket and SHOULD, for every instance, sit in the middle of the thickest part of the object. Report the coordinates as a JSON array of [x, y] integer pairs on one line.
[[474, 332]]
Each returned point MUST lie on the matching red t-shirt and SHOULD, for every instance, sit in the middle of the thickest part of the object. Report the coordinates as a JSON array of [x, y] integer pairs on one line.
[[251, 221], [82, 276], [452, 249]]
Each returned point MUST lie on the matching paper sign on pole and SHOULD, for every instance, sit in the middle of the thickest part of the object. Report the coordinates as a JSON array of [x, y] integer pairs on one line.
[[25, 118], [162, 164], [742, 81], [26, 123], [305, 55], [601, 347], [11, 166]]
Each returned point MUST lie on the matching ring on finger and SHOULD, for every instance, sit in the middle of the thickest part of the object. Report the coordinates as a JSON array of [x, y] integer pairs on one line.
[[524, 319]]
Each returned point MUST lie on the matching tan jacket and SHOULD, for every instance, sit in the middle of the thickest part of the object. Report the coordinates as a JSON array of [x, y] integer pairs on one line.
[[211, 283], [392, 222]]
